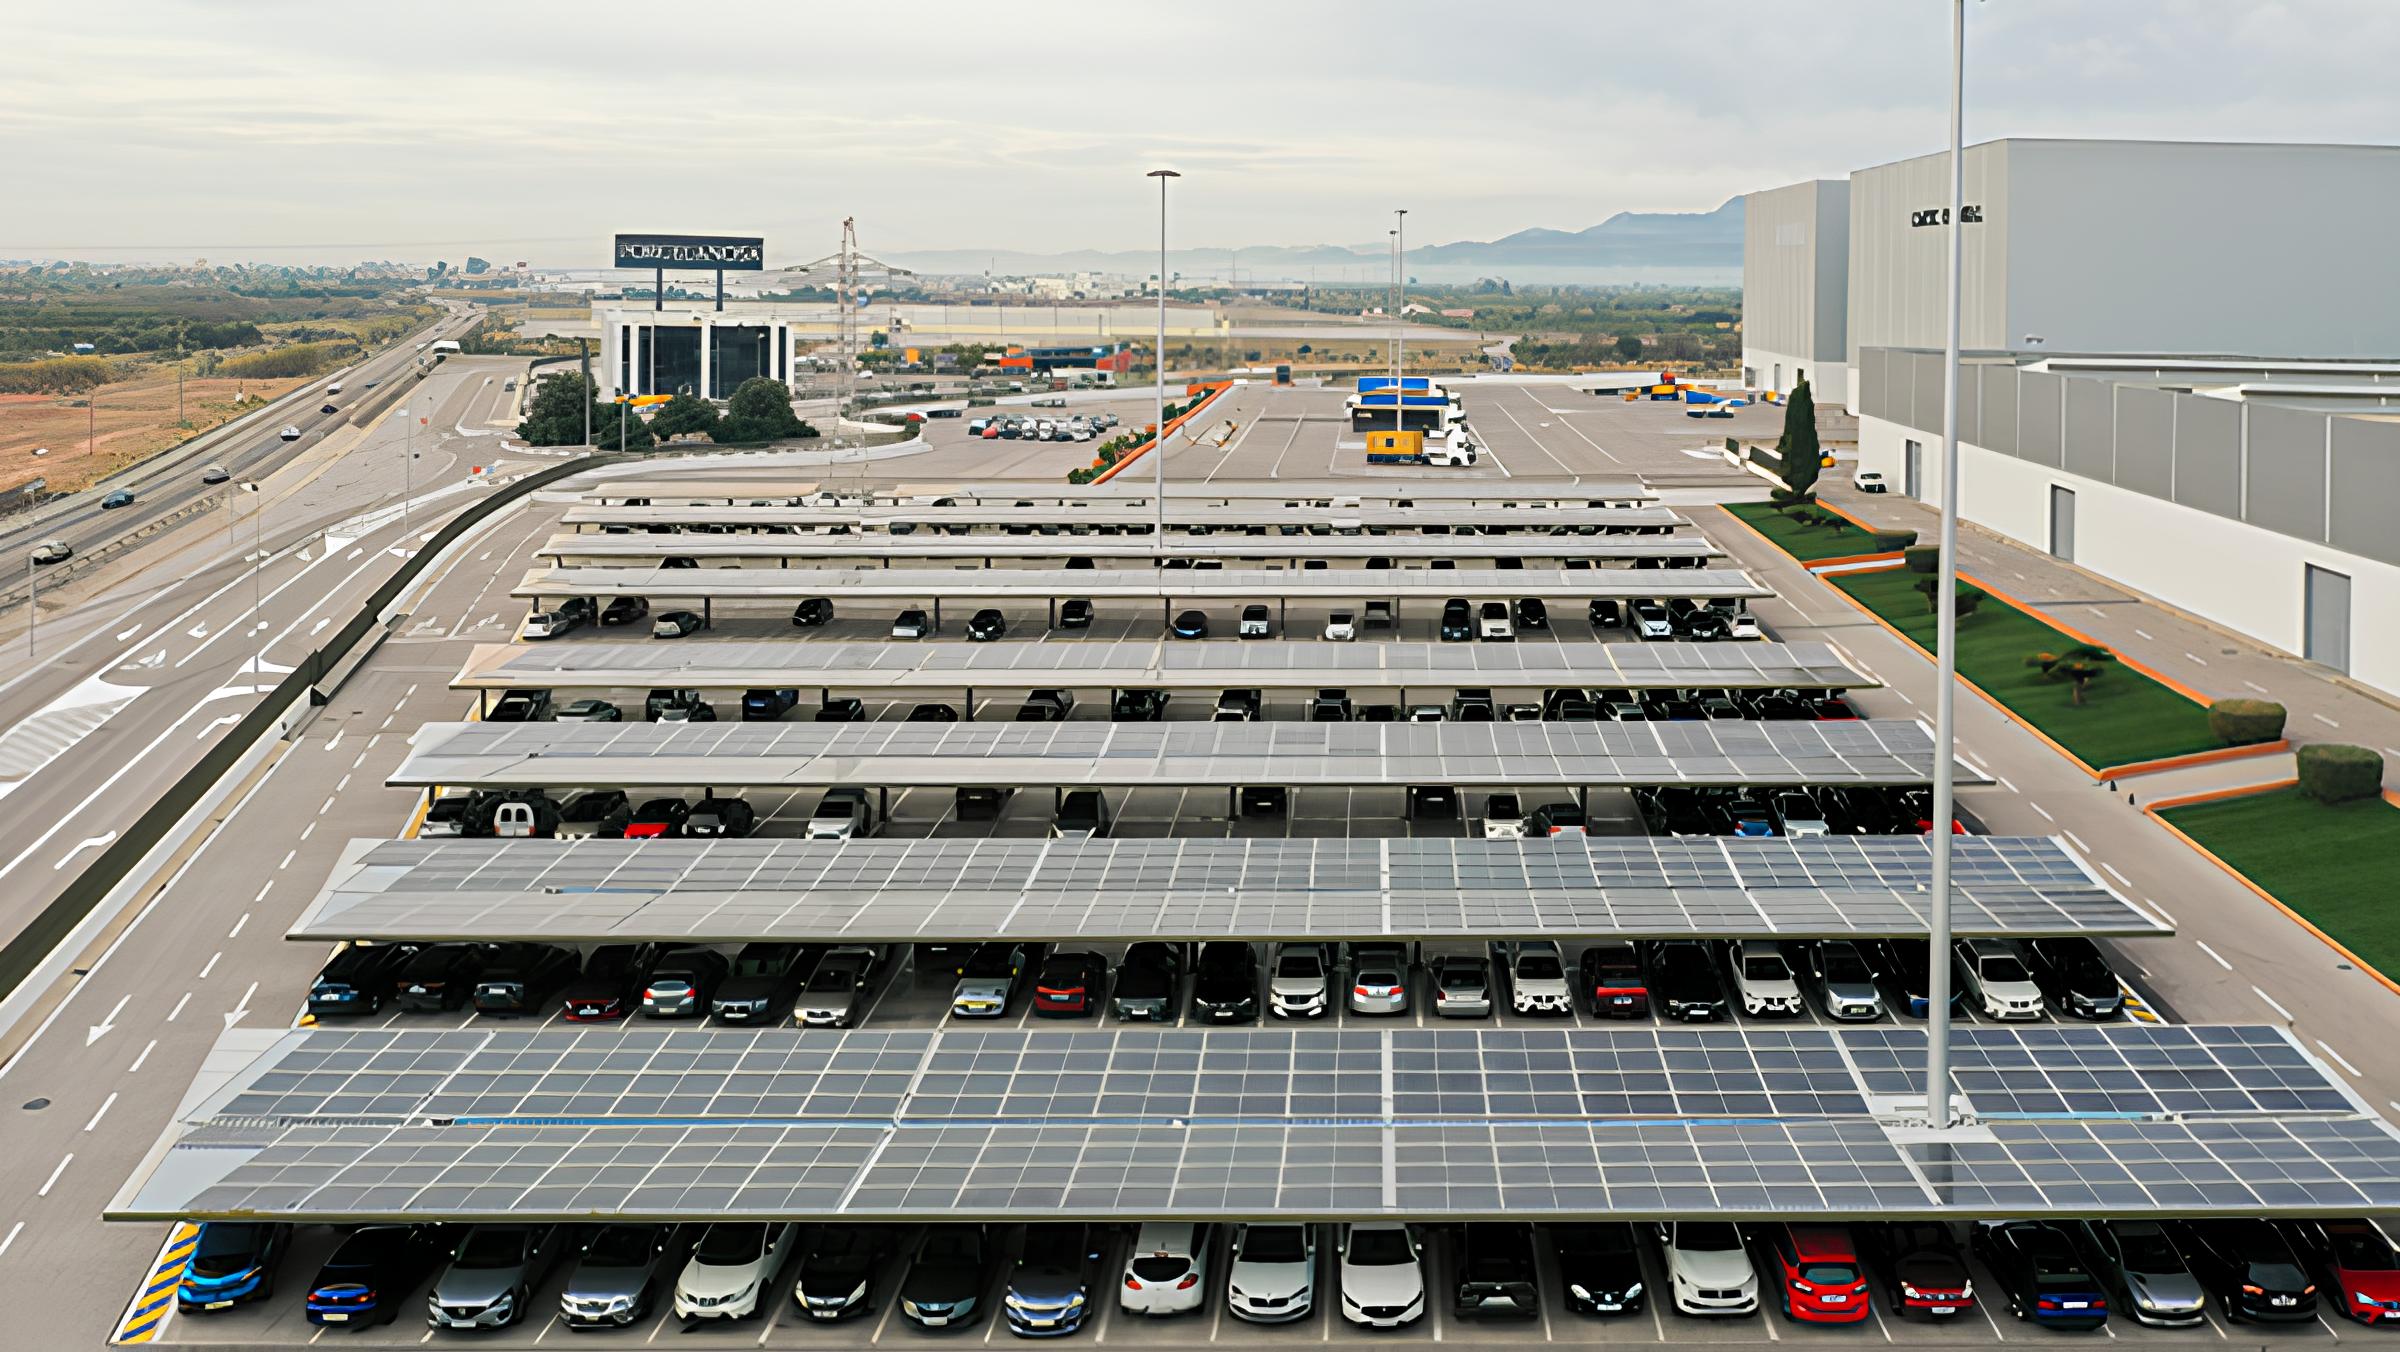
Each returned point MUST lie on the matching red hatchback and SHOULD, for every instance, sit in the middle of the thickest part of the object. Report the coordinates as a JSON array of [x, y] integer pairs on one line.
[[1820, 1275], [2357, 1263], [1070, 985]]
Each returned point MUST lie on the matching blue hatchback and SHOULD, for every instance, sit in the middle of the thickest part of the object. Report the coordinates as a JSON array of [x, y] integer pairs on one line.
[[233, 1262]]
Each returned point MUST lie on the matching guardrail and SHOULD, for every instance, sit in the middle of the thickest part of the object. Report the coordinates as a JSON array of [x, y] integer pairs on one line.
[[26, 951]]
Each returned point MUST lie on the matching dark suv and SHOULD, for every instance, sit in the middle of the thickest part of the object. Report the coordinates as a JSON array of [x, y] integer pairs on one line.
[[357, 980], [1685, 983], [1225, 987]]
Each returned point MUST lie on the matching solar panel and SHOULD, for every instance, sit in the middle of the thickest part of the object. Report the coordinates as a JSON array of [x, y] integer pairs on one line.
[[1192, 888], [1143, 755], [1101, 664], [966, 1124], [1411, 586], [646, 549], [1272, 515]]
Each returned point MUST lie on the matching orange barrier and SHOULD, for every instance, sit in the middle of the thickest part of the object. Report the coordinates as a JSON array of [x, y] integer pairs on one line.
[[1214, 389], [1844, 560], [2192, 758]]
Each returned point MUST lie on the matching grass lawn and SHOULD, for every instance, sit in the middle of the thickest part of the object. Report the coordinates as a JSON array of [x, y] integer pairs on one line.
[[2334, 864], [2125, 716], [1805, 543]]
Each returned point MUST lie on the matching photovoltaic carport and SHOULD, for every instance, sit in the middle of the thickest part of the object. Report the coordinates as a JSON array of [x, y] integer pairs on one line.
[[1157, 664], [955, 1124], [1469, 490], [1403, 550], [1191, 890], [1167, 587], [1264, 516]]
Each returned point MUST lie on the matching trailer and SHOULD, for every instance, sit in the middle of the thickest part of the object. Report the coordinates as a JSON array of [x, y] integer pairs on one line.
[[1453, 448]]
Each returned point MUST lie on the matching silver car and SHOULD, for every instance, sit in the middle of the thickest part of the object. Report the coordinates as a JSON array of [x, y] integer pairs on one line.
[[1462, 986], [2142, 1263], [836, 993], [1845, 984], [1378, 979], [491, 1276]]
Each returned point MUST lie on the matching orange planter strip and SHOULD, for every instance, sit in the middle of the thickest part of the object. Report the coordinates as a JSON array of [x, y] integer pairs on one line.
[[1214, 388], [2190, 759], [2079, 636], [1841, 560], [2218, 795]]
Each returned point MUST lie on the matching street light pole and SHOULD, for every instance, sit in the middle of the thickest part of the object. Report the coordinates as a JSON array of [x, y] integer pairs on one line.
[[408, 473], [1399, 316], [33, 604], [258, 563], [1158, 437], [1945, 729]]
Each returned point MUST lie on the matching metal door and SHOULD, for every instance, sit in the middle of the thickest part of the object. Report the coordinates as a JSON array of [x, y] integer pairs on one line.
[[2328, 600], [2062, 523]]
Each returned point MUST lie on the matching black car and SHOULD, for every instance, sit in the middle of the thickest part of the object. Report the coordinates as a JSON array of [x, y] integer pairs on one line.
[[372, 1272], [1138, 706], [1146, 982], [720, 817], [1685, 984], [519, 706], [763, 976], [986, 626], [1190, 624], [2075, 978], [767, 704], [981, 802], [2042, 1278], [1606, 615], [838, 1271], [1458, 621], [610, 985], [1496, 1270], [948, 1276], [1225, 984], [1600, 1264], [1075, 613], [357, 980], [932, 713], [2249, 1266], [1432, 802], [618, 1272], [1532, 614], [841, 709], [1919, 1265], [439, 976], [1904, 965], [812, 613], [123, 497], [520, 978]]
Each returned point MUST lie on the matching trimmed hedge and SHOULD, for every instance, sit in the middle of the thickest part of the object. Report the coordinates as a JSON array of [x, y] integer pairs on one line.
[[2331, 773], [1894, 541], [1923, 558], [2246, 722]]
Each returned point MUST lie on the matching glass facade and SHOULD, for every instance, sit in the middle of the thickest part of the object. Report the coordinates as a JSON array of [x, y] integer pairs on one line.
[[676, 367], [738, 354]]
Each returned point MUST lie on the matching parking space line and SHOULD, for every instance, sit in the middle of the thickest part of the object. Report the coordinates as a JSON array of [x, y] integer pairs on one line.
[[2214, 954], [2272, 1003], [2322, 1045]]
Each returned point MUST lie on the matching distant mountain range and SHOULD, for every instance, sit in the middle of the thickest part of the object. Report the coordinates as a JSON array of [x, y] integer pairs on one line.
[[1658, 245]]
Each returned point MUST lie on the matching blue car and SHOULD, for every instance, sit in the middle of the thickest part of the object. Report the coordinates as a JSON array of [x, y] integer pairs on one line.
[[2041, 1275], [123, 497], [372, 1273], [233, 1262]]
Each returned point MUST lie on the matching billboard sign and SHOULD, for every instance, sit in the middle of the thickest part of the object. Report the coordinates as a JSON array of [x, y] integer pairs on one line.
[[704, 253]]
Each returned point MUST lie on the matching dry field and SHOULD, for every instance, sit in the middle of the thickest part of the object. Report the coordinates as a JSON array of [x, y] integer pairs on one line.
[[133, 419]]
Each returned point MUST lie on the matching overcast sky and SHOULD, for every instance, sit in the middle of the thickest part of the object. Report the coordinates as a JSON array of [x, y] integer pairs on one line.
[[336, 132]]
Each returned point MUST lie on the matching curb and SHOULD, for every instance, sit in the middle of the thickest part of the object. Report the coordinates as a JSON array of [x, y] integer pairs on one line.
[[1174, 424], [2079, 636], [2190, 759]]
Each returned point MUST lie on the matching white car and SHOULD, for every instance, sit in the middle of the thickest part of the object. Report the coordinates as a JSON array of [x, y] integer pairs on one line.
[[290, 433], [1166, 1270], [1869, 481], [730, 1271], [546, 624], [842, 814], [1650, 620], [1503, 818], [1493, 624], [1801, 815], [1271, 1278], [1254, 623], [1708, 1268], [1537, 979], [1341, 627], [1297, 989], [1382, 1274], [1744, 625], [1762, 976], [53, 551], [1994, 978]]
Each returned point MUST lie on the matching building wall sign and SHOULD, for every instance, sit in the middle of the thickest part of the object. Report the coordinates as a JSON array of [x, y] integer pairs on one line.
[[705, 253], [1967, 215]]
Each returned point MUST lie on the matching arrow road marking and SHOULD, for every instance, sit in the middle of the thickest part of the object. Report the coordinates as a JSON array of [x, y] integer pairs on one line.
[[107, 1025]]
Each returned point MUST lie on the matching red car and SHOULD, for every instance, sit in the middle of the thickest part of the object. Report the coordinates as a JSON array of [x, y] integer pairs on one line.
[[1612, 982], [1070, 985], [1818, 1271], [610, 985], [659, 818], [991, 432], [2355, 1262]]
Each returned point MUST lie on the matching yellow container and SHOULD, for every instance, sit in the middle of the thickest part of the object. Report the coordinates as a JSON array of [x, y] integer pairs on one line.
[[1395, 443]]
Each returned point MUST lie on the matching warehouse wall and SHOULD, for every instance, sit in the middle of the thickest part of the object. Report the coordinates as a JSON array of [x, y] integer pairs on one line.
[[1795, 290], [1898, 296]]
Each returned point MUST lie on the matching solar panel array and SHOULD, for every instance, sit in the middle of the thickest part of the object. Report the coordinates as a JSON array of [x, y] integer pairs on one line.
[[901, 548], [1271, 515], [1126, 1124], [905, 889], [1207, 665], [1420, 586], [1089, 753]]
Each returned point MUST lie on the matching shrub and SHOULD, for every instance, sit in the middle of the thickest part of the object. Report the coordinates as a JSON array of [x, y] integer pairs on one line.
[[1894, 541], [2079, 666], [2244, 722], [2331, 773], [55, 375], [1968, 597], [1923, 558], [292, 359]]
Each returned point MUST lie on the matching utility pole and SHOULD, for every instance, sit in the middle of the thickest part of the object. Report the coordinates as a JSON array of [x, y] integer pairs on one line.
[[1945, 695]]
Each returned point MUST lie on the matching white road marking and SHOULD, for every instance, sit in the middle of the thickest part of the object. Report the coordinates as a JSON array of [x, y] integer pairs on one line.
[[214, 724], [2272, 1003], [319, 626], [129, 633], [308, 830], [2145, 634], [335, 740], [211, 964], [137, 1061], [2077, 842], [103, 1028], [2196, 661], [63, 818], [2324, 720], [328, 805], [2214, 954], [13, 1231], [2338, 1059], [262, 893], [2256, 686], [178, 1009], [53, 1181], [111, 1102], [2038, 808], [343, 785], [2002, 781], [2112, 872], [242, 1008], [89, 843], [287, 858]]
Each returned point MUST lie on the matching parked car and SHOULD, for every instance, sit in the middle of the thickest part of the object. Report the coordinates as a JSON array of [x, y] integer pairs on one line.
[[844, 813], [2249, 1266], [722, 818], [1612, 980], [1270, 1273], [989, 983], [519, 706], [765, 705], [839, 1269], [1994, 979], [1297, 987], [1146, 983], [1497, 1272], [1762, 976], [371, 1272], [1685, 983], [1225, 983], [519, 978], [1708, 1268], [1057, 1273], [1046, 706], [1818, 1275], [439, 977], [357, 979], [658, 819], [676, 624], [492, 1274], [812, 613], [1557, 819], [591, 711], [2075, 978], [1381, 1272], [732, 1268], [1907, 966], [2145, 1271], [1138, 706], [986, 625], [1844, 981], [2041, 1277], [1075, 613], [2354, 1264], [763, 975], [947, 1276], [1457, 624], [610, 985], [932, 712], [981, 802], [1378, 979], [681, 982], [622, 610], [1069, 985], [546, 624], [835, 995], [1167, 1268], [1341, 627], [1537, 979], [232, 1263], [912, 624], [617, 1271], [1869, 481], [1503, 818], [1600, 1265], [1921, 1266], [1256, 622], [1532, 614], [1493, 623], [1190, 624], [1082, 815]]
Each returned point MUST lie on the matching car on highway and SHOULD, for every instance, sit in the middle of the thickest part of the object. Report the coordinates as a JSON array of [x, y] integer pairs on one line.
[[357, 979], [1297, 987], [680, 983], [732, 1268], [1050, 1291], [676, 624], [2145, 1271], [1069, 985], [1146, 983], [122, 497], [947, 1276], [617, 1271], [610, 985], [290, 433], [519, 978], [1381, 1273], [835, 995], [490, 1279], [624, 610], [1270, 1273], [838, 1271], [1497, 1271], [51, 551], [1167, 1267], [371, 1272], [1993, 978], [232, 1263]]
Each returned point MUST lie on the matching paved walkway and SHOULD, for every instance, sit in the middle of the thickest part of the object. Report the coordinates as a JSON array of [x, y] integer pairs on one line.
[[2323, 708]]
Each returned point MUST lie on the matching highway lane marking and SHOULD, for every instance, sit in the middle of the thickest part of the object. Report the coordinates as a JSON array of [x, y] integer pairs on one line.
[[62, 1168], [2256, 686], [236, 931], [13, 1232], [111, 1102], [335, 740], [2338, 1059], [308, 830], [129, 633], [178, 1009], [92, 797], [2213, 954], [319, 626], [2144, 633], [89, 843], [362, 758], [2324, 720], [137, 1061], [2195, 660], [2038, 808], [2002, 781], [328, 802], [242, 1008], [211, 965], [2112, 872], [2272, 1003], [2077, 842], [262, 892], [287, 858], [339, 787]]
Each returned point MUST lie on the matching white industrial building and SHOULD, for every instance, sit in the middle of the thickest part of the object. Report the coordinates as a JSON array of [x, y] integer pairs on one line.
[[2182, 372], [1795, 289], [691, 347]]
